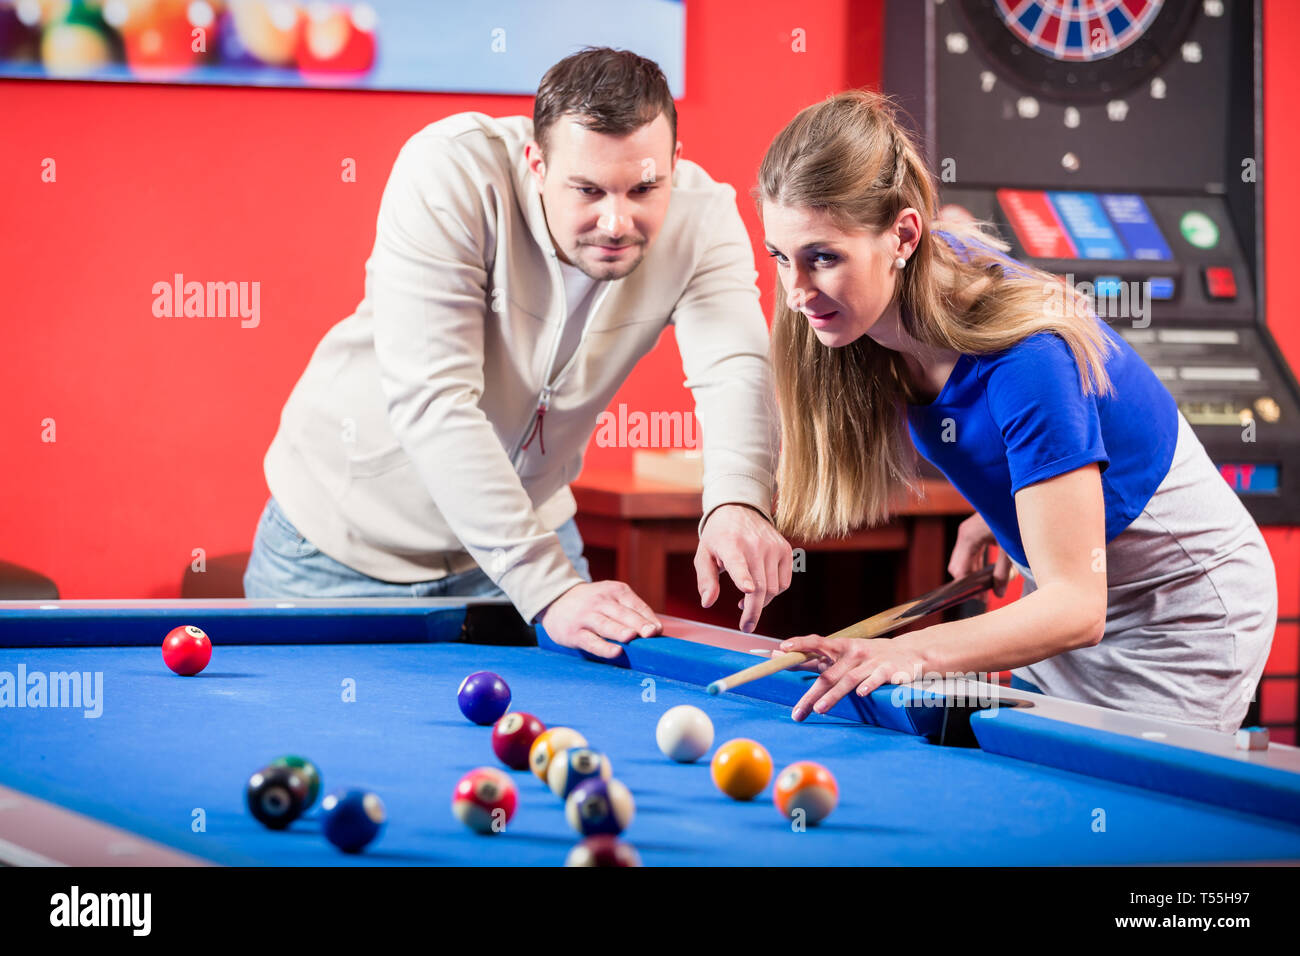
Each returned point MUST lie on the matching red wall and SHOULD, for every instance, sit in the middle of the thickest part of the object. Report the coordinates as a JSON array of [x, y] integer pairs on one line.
[[1282, 300], [161, 424]]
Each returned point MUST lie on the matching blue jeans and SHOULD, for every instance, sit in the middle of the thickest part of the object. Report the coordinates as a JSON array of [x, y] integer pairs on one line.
[[284, 564]]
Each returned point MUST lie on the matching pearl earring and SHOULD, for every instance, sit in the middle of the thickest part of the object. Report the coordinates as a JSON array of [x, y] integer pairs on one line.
[[900, 263]]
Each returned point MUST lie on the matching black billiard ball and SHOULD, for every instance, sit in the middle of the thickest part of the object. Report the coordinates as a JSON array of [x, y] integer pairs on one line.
[[277, 796]]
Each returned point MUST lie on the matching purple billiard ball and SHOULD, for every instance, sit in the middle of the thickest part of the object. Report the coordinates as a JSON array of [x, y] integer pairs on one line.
[[598, 806], [483, 697]]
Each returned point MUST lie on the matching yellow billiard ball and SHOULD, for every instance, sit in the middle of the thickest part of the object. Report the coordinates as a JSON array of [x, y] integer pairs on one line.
[[77, 42], [548, 744]]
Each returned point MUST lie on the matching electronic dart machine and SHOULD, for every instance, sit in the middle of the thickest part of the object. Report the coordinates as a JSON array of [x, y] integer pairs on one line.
[[1118, 142]]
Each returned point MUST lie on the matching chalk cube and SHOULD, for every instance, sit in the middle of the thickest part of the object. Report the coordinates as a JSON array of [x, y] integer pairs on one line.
[[1252, 738]]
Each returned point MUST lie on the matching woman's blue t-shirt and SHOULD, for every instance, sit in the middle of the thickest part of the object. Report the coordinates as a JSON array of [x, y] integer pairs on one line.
[[1013, 418]]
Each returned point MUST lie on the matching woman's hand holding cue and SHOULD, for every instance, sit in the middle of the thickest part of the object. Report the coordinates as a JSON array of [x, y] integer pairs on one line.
[[849, 663], [969, 554]]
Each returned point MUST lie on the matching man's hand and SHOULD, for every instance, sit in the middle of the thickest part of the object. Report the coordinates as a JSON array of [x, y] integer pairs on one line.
[[739, 540], [589, 616], [969, 554]]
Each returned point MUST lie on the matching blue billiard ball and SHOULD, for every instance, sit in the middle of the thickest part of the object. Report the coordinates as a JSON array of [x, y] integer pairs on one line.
[[571, 767], [483, 697], [352, 818]]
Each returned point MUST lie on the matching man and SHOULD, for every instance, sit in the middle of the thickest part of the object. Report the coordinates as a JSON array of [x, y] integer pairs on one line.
[[520, 270]]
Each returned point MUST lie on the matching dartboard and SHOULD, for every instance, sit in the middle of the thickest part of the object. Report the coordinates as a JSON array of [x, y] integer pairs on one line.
[[1079, 49], [1078, 30]]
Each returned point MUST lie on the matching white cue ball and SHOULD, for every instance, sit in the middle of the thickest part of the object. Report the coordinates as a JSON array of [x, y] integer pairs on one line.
[[684, 734]]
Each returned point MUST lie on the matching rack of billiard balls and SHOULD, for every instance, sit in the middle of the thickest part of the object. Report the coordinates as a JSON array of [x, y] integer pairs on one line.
[[597, 805], [168, 39]]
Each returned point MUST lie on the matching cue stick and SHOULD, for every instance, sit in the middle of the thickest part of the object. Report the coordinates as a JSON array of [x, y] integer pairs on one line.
[[941, 598]]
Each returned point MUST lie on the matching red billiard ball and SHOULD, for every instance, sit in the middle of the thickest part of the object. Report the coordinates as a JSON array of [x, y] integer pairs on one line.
[[513, 737], [187, 650], [603, 850], [335, 39]]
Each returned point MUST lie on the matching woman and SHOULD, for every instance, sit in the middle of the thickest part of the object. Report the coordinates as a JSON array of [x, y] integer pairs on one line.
[[1148, 587]]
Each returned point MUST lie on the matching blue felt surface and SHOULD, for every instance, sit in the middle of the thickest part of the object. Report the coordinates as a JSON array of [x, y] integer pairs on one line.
[[166, 745]]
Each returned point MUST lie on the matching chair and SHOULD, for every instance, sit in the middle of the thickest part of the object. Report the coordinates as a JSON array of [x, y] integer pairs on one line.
[[224, 577], [18, 583]]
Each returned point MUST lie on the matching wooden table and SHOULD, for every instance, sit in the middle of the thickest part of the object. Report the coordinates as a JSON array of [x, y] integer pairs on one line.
[[644, 521]]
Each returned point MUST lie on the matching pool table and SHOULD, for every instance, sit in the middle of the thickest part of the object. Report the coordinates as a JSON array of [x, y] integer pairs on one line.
[[149, 767]]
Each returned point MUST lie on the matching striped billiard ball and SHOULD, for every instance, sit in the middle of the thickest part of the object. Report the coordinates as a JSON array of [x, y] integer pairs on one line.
[[307, 770], [484, 800], [806, 792], [548, 744], [571, 767], [603, 850], [599, 806]]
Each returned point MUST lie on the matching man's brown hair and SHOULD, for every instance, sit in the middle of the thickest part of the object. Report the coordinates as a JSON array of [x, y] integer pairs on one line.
[[609, 91]]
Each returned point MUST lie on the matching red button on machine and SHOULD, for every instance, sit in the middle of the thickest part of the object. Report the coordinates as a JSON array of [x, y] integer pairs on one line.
[[1220, 282]]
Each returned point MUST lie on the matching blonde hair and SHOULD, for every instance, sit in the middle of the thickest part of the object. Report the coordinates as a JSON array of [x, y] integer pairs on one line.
[[845, 454]]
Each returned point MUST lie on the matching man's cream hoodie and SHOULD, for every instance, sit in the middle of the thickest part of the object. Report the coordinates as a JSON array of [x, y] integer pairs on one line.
[[400, 451]]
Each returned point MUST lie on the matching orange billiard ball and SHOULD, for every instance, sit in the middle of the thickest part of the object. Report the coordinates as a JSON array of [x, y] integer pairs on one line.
[[807, 791], [741, 768]]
